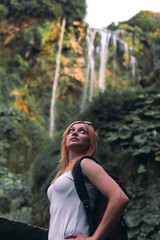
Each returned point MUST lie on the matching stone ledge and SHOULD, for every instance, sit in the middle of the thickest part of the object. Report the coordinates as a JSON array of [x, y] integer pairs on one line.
[[15, 230]]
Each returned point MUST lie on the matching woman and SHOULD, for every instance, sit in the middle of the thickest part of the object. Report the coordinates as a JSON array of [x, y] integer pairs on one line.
[[67, 215]]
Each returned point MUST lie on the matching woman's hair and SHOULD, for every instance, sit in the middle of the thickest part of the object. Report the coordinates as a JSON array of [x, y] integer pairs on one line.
[[64, 161]]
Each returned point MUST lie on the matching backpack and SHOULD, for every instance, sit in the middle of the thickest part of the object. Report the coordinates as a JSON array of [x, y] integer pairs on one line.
[[94, 216]]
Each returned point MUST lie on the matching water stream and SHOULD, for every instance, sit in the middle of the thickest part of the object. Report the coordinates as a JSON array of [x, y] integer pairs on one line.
[[102, 50]]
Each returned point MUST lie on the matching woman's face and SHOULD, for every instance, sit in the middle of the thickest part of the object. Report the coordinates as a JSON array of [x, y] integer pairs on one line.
[[78, 138]]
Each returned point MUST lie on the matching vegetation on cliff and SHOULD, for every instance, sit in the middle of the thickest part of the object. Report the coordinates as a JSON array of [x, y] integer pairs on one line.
[[145, 29]]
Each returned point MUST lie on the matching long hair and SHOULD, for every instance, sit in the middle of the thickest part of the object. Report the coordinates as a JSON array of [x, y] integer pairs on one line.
[[64, 161]]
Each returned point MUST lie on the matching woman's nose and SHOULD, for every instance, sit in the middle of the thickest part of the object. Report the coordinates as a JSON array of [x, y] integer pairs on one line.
[[75, 133]]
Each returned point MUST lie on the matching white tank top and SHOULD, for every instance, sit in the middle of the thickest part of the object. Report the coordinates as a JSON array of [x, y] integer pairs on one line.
[[67, 213]]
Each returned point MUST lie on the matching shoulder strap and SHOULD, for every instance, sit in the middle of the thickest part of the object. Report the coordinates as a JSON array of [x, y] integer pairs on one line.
[[82, 191]]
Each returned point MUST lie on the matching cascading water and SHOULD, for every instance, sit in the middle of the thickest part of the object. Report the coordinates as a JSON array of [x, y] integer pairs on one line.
[[105, 37], [55, 83], [102, 49], [114, 38], [90, 67], [133, 64]]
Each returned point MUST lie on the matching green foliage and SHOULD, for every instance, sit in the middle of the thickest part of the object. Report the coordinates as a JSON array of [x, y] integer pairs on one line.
[[152, 79], [73, 10], [16, 5], [128, 120], [41, 8], [46, 8], [156, 50], [147, 21], [145, 27], [21, 139], [126, 27], [4, 88], [97, 39], [15, 196], [43, 171], [7, 83], [46, 163], [3, 11], [20, 64], [38, 35]]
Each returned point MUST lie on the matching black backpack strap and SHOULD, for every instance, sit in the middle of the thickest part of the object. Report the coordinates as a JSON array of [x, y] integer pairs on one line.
[[82, 191]]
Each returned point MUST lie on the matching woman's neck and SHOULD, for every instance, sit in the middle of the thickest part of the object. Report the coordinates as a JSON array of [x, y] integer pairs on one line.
[[72, 156]]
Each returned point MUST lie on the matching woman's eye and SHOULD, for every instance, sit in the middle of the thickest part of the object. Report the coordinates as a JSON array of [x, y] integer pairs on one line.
[[82, 130], [71, 130]]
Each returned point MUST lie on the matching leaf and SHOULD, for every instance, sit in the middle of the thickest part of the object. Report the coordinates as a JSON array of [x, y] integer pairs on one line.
[[143, 150], [141, 169], [113, 137], [140, 139], [124, 135]]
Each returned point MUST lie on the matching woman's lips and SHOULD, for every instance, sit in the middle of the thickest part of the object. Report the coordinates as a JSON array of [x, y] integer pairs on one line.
[[73, 139]]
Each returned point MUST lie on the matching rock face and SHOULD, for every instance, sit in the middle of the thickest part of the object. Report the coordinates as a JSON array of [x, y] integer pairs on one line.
[[14, 230]]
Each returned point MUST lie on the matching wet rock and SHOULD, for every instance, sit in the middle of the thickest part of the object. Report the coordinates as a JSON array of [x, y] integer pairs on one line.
[[14, 230]]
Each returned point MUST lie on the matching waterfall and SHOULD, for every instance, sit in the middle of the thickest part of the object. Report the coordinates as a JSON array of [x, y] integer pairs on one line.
[[102, 52], [90, 67], [105, 37], [55, 82], [115, 49], [92, 81], [133, 65]]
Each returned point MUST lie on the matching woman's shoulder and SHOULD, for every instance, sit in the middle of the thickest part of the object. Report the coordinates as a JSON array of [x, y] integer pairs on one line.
[[89, 164], [91, 169]]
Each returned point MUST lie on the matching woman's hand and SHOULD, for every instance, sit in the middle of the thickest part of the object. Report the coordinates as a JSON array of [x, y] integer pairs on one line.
[[76, 236]]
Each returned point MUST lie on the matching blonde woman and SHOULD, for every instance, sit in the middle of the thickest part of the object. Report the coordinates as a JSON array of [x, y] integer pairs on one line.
[[68, 219]]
